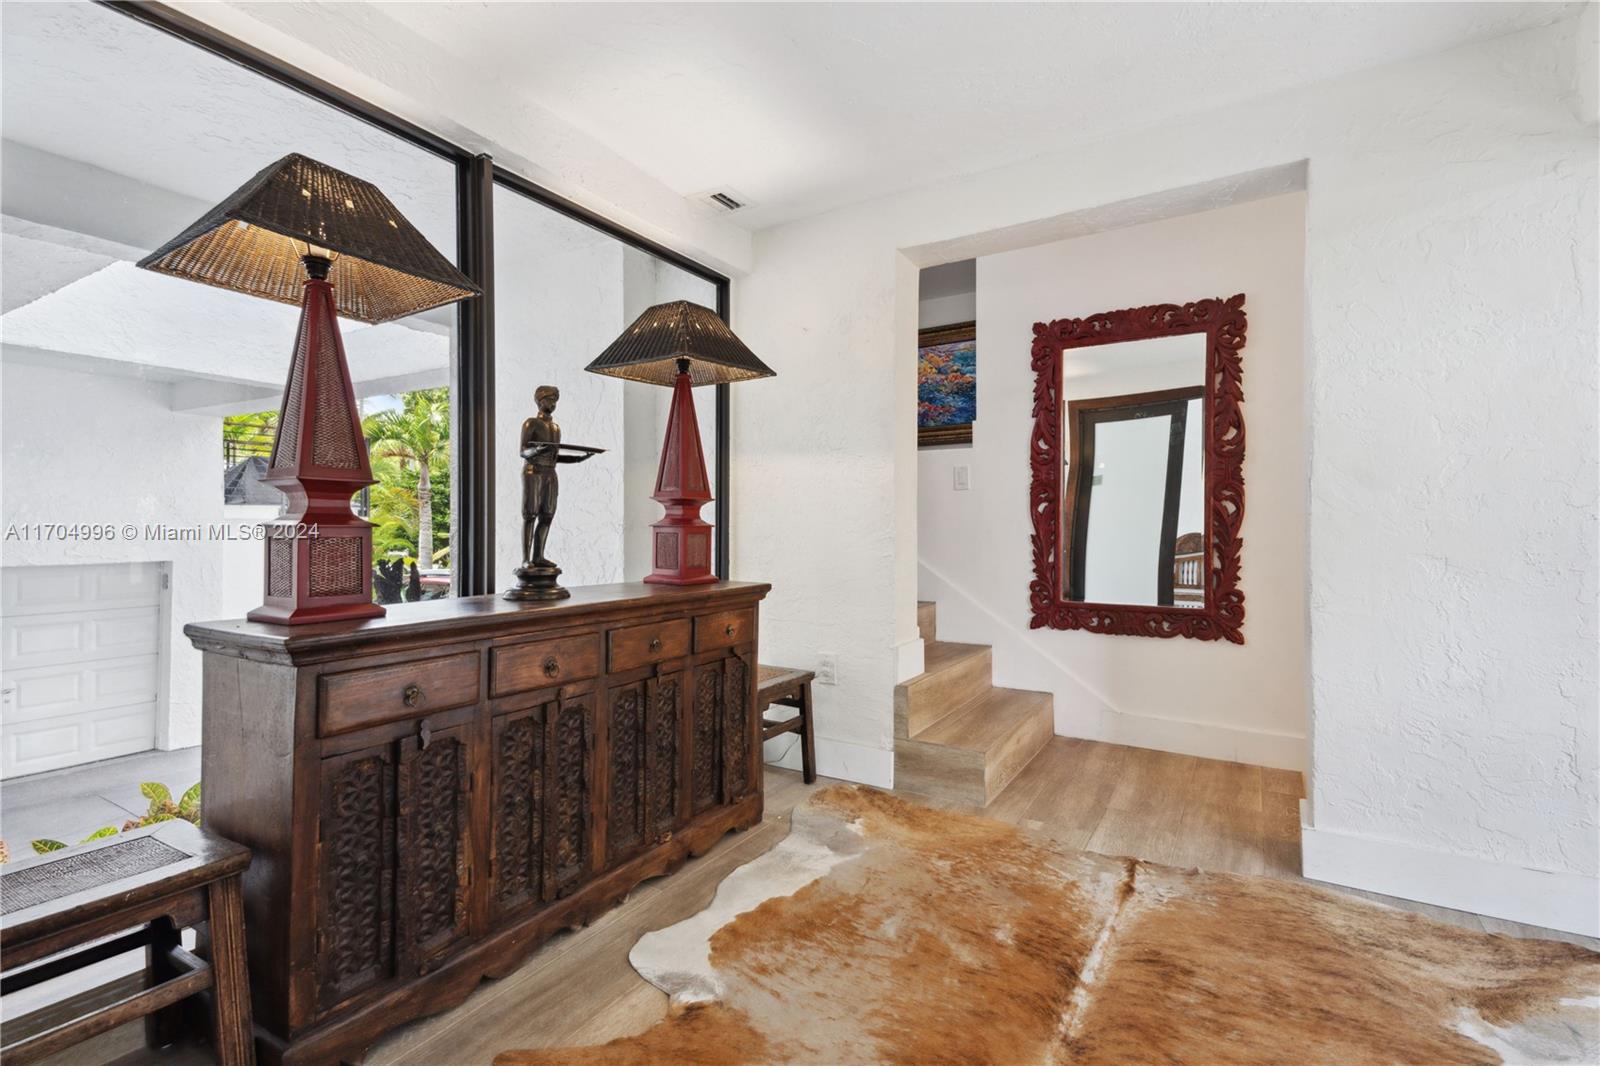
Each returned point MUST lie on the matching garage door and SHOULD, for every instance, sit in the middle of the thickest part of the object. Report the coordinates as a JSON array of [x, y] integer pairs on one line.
[[81, 658]]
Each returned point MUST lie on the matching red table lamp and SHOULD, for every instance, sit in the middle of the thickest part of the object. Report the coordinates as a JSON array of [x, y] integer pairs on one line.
[[680, 344], [301, 232]]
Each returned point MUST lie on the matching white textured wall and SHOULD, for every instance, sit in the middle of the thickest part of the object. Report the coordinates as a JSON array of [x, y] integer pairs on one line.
[[94, 449], [1214, 699], [813, 487], [1451, 250]]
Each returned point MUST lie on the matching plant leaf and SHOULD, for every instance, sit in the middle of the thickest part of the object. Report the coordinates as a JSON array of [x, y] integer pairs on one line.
[[46, 845], [189, 802], [158, 794], [101, 833]]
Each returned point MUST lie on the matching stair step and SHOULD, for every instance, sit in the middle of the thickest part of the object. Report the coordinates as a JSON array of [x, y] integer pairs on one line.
[[953, 676], [971, 755], [928, 620]]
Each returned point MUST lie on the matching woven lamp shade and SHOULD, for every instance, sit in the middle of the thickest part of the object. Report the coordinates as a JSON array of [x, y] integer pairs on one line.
[[649, 350], [252, 242]]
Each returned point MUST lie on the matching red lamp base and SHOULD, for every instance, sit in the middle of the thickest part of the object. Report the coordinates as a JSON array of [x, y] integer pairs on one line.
[[681, 552], [681, 541], [325, 576], [299, 616], [318, 554]]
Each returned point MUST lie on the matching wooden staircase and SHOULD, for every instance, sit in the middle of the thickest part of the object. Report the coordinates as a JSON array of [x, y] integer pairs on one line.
[[957, 737]]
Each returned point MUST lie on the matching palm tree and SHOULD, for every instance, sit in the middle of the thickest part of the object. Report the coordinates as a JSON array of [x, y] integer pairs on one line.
[[247, 435], [415, 436]]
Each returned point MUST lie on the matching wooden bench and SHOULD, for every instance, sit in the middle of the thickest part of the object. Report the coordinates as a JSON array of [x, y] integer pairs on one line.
[[68, 909], [787, 686]]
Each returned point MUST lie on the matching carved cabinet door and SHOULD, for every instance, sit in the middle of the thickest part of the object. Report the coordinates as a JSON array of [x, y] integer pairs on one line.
[[435, 842], [569, 774], [663, 755], [517, 811], [738, 727], [355, 874], [705, 735], [627, 742]]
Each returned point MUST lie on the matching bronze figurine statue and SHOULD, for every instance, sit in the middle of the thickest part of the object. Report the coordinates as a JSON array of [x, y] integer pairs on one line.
[[542, 451]]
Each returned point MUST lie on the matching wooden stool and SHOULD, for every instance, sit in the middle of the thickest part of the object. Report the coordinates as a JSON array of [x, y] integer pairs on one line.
[[788, 687], [154, 881]]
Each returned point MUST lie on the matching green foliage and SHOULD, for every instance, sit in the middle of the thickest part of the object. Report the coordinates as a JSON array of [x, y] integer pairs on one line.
[[248, 435], [410, 451], [159, 795], [245, 427], [161, 809]]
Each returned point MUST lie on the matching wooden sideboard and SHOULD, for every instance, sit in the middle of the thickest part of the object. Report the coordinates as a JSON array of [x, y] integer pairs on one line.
[[430, 795]]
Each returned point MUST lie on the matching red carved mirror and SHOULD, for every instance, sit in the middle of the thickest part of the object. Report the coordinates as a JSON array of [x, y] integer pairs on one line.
[[1138, 471]]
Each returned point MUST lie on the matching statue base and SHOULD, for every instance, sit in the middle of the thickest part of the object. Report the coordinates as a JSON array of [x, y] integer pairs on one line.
[[537, 583]]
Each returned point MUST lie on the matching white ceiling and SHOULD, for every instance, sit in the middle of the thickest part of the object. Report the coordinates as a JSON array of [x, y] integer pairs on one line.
[[802, 107]]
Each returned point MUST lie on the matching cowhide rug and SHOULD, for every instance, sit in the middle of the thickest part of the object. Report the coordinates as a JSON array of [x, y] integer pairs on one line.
[[880, 931]]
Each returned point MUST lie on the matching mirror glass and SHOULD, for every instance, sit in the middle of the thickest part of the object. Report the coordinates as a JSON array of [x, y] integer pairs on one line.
[[1133, 531]]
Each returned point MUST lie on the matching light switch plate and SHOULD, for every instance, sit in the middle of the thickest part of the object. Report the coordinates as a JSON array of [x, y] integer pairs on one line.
[[827, 668], [963, 478]]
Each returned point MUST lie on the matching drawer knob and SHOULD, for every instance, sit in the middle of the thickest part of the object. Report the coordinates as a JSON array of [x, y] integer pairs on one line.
[[551, 667], [728, 629], [412, 694], [655, 643]]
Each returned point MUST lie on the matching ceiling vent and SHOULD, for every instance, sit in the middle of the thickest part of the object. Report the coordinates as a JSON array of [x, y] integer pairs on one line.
[[725, 199]]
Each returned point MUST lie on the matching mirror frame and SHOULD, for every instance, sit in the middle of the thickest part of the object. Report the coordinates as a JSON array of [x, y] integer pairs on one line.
[[1222, 617]]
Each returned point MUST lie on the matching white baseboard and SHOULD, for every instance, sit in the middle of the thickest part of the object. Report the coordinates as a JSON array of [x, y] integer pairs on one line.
[[836, 758], [1552, 899], [1208, 740], [909, 660]]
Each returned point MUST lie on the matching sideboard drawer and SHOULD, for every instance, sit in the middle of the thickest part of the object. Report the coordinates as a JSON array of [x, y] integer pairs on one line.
[[650, 643], [725, 629], [541, 663], [359, 698]]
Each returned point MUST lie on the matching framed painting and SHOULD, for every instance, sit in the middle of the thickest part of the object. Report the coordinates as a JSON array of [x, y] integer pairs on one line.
[[947, 384]]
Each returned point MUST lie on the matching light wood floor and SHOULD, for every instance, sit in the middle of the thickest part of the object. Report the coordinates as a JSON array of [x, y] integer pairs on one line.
[[579, 988]]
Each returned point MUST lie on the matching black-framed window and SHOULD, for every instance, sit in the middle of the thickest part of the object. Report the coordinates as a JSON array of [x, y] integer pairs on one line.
[[478, 525], [570, 287]]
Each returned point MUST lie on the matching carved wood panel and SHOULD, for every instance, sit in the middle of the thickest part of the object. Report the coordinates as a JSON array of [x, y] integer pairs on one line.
[[705, 765], [435, 842], [625, 766], [570, 726], [355, 874], [661, 769], [517, 811], [736, 726], [1222, 617]]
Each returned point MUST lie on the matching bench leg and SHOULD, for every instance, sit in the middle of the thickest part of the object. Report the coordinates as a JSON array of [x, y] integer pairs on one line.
[[808, 747], [163, 1027], [232, 1034]]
